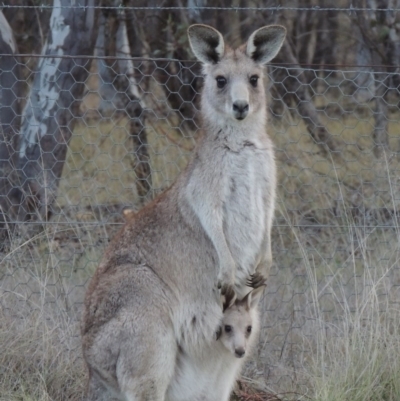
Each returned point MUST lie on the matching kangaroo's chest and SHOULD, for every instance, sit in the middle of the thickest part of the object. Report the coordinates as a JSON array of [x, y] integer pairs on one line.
[[249, 192]]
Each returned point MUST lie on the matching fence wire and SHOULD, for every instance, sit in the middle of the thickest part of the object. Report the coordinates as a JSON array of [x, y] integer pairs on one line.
[[128, 136]]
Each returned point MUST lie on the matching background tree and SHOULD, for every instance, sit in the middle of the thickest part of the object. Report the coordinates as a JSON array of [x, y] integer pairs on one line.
[[33, 151], [117, 39], [10, 105], [378, 47]]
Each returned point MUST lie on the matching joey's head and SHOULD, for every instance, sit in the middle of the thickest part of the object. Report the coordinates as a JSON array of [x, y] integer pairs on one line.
[[233, 85], [240, 323]]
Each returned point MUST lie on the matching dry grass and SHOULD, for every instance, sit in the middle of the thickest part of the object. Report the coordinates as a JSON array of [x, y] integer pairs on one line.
[[352, 333], [39, 349], [42, 283], [339, 341], [38, 361]]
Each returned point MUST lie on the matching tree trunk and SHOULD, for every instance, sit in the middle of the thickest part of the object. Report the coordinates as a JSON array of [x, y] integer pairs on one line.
[[10, 115], [53, 104], [375, 29], [126, 96], [305, 106], [380, 134], [134, 107], [106, 89]]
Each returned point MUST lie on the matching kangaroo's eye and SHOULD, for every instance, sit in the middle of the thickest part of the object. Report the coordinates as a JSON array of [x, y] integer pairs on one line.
[[228, 329], [254, 80], [221, 81], [249, 329]]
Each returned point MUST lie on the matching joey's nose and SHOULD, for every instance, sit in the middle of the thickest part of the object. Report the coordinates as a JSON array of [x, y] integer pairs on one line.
[[240, 109], [239, 352]]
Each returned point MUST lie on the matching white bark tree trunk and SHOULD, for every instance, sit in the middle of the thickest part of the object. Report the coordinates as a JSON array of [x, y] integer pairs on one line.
[[10, 114], [53, 104]]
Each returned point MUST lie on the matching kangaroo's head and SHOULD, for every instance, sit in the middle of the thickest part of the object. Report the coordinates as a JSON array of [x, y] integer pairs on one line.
[[233, 87], [240, 323]]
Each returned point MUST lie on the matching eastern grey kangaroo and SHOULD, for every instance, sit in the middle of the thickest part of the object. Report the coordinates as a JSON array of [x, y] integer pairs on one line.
[[156, 294]]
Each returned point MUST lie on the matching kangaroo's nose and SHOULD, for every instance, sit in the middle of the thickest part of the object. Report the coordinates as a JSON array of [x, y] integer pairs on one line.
[[240, 109], [239, 352]]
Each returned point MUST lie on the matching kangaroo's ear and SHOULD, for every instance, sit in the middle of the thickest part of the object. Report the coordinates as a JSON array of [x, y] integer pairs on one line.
[[264, 44], [207, 43], [253, 297]]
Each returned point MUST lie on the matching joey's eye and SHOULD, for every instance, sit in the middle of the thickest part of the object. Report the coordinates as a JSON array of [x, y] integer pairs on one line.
[[221, 81], [254, 80], [249, 329], [228, 329]]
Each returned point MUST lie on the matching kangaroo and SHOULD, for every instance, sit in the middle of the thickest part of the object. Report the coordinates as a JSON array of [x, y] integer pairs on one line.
[[156, 293], [213, 377]]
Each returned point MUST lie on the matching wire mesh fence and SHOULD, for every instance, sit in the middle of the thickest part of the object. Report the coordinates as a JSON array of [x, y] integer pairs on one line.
[[130, 133]]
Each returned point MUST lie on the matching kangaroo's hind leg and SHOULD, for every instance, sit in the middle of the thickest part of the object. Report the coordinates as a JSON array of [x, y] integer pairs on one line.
[[96, 390], [147, 365]]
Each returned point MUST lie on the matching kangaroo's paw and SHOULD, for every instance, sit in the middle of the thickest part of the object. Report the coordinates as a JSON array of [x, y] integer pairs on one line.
[[256, 280]]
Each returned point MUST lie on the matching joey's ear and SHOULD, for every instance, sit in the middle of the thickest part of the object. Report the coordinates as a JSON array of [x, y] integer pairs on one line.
[[253, 297], [207, 43], [264, 44], [228, 301]]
